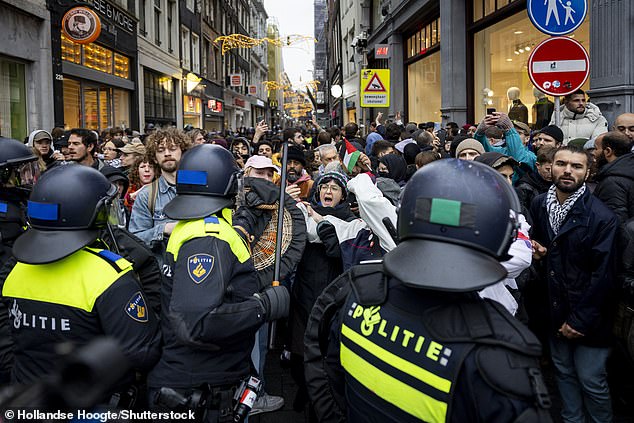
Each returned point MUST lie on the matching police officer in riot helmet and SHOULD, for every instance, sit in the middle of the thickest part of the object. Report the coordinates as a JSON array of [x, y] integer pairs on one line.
[[408, 338], [210, 306], [60, 288], [18, 171]]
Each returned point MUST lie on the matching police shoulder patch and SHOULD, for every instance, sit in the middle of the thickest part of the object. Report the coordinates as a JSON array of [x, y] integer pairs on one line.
[[199, 266], [136, 308]]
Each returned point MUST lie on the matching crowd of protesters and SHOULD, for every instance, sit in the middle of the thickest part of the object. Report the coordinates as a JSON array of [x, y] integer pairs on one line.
[[570, 271]]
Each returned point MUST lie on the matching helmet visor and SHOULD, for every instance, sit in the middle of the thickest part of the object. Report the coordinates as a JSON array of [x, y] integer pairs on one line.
[[116, 215], [23, 175]]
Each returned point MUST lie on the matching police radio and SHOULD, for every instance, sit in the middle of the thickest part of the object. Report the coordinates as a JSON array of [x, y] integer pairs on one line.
[[245, 397]]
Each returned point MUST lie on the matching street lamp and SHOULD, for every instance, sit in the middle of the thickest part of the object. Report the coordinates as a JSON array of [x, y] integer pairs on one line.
[[336, 91]]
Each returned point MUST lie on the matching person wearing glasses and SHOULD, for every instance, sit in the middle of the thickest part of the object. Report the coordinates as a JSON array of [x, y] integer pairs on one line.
[[320, 264]]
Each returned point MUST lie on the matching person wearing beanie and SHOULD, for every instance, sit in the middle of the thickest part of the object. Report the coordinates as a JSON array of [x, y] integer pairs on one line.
[[504, 164], [296, 174], [320, 264], [469, 149], [550, 136]]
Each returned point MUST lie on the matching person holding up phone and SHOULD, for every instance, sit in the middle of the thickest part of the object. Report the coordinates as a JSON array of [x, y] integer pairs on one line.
[[498, 122]]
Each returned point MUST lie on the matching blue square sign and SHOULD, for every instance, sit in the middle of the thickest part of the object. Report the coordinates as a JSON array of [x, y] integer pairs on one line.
[[557, 17]]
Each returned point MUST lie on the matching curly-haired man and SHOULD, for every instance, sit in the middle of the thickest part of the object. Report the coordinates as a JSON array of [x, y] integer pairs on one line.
[[147, 221]]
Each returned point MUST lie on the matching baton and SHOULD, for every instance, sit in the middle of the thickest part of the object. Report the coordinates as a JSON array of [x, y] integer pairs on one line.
[[278, 238]]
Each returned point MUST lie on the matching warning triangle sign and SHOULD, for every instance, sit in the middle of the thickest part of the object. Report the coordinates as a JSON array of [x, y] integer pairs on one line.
[[375, 85]]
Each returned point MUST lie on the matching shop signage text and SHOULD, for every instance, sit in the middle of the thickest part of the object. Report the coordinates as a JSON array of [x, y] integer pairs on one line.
[[214, 106], [238, 102], [113, 14], [382, 51], [253, 90]]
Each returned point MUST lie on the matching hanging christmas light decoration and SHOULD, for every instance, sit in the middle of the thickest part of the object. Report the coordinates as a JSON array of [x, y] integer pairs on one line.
[[232, 41]]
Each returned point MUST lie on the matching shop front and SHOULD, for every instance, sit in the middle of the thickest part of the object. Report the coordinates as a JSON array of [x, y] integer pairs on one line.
[[96, 88], [192, 111], [213, 107], [237, 111], [503, 39], [422, 57], [13, 117]]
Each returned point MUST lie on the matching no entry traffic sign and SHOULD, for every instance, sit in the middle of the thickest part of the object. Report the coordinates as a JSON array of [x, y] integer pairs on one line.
[[557, 17], [558, 66]]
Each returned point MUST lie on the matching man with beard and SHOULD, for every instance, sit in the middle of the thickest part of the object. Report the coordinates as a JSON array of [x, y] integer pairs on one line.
[[147, 221], [580, 119], [615, 176], [295, 173], [573, 237]]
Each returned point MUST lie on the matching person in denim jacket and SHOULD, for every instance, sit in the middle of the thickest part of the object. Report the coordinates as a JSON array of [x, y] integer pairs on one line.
[[147, 221]]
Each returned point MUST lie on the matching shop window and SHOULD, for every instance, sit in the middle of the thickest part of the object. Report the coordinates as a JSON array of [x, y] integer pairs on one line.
[[423, 78], [96, 57], [483, 8], [94, 106], [72, 103], [426, 38], [501, 54], [71, 51], [159, 96], [12, 99]]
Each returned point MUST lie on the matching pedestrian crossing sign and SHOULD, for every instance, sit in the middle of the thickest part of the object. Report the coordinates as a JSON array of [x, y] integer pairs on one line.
[[375, 88]]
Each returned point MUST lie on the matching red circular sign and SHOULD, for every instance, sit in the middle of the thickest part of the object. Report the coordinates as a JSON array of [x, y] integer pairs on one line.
[[558, 66]]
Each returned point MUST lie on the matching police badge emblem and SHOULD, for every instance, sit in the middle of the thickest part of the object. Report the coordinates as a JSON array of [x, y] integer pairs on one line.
[[199, 266], [136, 308]]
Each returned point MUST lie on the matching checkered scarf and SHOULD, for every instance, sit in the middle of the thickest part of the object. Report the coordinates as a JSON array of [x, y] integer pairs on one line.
[[557, 212]]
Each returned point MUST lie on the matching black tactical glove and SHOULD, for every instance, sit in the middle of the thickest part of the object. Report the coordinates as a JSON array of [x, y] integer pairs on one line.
[[275, 301]]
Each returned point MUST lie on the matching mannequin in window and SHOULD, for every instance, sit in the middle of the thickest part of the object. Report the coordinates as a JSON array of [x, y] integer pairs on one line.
[[542, 109], [518, 111]]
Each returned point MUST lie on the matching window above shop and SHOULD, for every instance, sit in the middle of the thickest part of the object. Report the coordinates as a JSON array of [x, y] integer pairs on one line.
[[484, 8], [96, 57], [423, 40]]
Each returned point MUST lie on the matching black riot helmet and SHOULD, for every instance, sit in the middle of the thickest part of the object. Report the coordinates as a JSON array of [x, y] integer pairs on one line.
[[456, 222], [206, 182], [18, 166], [67, 208]]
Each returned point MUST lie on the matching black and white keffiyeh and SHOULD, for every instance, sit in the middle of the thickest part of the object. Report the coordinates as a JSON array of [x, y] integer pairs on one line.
[[557, 212]]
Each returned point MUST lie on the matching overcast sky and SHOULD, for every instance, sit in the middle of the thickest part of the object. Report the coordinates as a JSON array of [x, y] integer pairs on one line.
[[295, 17]]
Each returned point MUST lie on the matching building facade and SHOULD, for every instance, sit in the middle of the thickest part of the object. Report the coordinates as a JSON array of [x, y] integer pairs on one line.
[[452, 59], [259, 64], [26, 75], [95, 84], [320, 72]]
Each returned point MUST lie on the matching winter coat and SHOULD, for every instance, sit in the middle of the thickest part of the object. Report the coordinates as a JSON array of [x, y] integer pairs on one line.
[[589, 124], [579, 267], [320, 264], [615, 186]]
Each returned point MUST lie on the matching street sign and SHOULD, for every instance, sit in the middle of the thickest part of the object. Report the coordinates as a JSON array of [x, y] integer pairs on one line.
[[557, 17], [558, 66], [375, 88]]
